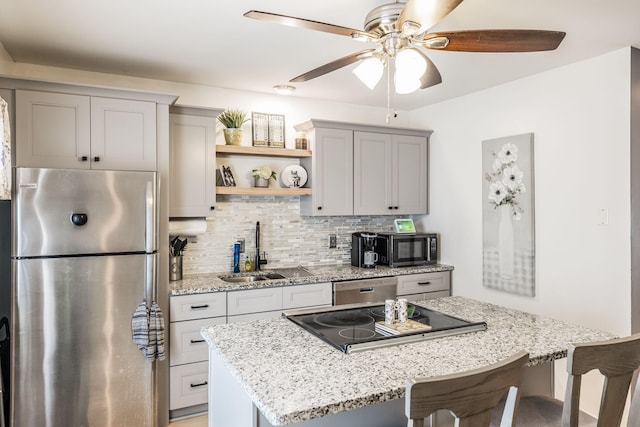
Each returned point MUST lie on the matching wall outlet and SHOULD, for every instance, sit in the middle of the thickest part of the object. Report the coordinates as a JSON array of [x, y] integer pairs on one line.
[[241, 241], [332, 241]]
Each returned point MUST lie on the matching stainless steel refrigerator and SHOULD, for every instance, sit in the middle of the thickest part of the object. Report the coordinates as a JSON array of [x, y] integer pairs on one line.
[[83, 260]]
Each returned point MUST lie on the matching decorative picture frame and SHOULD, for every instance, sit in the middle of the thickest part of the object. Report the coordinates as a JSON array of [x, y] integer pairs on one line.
[[276, 130], [227, 176], [508, 217], [260, 129]]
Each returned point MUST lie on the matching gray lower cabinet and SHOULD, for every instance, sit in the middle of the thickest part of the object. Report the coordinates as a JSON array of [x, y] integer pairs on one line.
[[424, 286], [188, 352]]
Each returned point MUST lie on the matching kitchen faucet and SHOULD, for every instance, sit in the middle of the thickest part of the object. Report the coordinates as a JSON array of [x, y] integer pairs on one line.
[[258, 260]]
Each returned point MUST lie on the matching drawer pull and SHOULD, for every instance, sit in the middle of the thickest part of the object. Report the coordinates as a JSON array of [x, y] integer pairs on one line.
[[199, 384], [196, 341], [366, 290], [199, 307], [424, 283]]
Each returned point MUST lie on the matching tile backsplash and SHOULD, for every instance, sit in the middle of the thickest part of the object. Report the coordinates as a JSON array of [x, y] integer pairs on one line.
[[287, 238]]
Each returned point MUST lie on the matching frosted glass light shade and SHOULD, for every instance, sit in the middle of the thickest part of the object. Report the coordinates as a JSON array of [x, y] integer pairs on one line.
[[410, 63], [369, 72], [405, 84]]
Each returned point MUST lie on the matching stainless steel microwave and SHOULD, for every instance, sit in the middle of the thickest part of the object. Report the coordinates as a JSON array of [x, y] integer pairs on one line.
[[402, 250]]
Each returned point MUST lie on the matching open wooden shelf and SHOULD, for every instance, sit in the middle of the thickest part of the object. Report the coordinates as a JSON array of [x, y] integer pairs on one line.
[[261, 151], [257, 191]]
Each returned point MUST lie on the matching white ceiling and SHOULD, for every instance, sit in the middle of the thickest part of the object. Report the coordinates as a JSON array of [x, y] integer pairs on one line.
[[209, 41]]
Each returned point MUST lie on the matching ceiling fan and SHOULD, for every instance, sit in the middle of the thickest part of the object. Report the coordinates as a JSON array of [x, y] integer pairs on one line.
[[400, 29]]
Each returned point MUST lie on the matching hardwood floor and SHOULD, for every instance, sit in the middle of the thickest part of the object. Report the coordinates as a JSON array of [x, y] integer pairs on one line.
[[199, 421]]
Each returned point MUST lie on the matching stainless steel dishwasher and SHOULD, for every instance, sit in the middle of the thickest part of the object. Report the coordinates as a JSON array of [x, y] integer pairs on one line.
[[364, 290]]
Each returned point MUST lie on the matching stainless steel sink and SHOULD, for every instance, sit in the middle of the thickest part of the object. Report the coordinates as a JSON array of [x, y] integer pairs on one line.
[[293, 272], [252, 278]]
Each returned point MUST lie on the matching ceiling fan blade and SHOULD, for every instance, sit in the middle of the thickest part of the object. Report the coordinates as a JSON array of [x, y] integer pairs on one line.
[[334, 65], [292, 21], [494, 40], [431, 76], [425, 13]]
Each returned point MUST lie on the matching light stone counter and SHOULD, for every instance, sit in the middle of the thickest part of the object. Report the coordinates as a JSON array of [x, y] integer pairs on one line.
[[292, 376], [211, 282]]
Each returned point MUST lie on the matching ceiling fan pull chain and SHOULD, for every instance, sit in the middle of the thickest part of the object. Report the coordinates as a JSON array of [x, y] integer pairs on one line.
[[388, 95]]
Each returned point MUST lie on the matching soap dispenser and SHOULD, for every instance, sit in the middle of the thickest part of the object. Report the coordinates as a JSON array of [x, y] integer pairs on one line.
[[236, 257]]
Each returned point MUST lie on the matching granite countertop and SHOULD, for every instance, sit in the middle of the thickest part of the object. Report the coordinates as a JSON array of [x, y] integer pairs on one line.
[[211, 282], [292, 376]]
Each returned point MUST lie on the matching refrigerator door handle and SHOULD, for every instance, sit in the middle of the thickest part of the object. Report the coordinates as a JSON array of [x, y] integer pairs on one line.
[[150, 218], [150, 279]]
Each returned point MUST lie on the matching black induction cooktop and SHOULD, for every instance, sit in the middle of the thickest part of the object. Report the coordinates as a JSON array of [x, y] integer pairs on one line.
[[351, 328]]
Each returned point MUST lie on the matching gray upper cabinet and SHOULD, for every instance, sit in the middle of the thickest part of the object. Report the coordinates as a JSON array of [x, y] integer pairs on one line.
[[366, 170], [58, 130], [331, 173], [390, 174], [192, 183]]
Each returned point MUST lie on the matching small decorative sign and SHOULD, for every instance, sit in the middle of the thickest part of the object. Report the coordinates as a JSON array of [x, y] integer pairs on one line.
[[260, 129], [276, 130]]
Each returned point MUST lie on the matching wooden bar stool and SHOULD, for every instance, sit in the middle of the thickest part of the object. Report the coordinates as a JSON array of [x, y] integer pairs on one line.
[[471, 396], [617, 360]]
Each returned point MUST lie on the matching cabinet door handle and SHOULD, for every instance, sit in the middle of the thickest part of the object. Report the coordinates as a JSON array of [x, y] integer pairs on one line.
[[366, 290], [96, 159], [212, 207], [395, 207], [319, 208], [199, 384], [84, 158], [390, 207], [424, 283], [199, 307], [196, 341]]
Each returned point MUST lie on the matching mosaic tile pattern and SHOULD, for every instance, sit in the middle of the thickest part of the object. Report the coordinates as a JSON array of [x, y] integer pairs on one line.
[[292, 376], [286, 237]]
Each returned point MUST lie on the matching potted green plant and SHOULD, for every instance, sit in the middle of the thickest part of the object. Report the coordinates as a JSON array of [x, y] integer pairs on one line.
[[232, 119], [262, 175]]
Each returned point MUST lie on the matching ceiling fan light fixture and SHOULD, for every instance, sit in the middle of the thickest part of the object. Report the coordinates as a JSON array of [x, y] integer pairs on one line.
[[284, 89], [369, 72], [410, 64], [404, 84]]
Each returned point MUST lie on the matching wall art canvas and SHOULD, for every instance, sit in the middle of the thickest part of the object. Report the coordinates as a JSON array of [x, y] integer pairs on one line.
[[508, 240]]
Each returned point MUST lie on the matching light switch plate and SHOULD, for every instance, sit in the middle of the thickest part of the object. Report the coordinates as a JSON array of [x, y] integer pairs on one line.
[[332, 241]]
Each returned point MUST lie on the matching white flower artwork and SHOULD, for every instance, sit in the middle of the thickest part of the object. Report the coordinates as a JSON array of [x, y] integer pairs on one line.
[[508, 214]]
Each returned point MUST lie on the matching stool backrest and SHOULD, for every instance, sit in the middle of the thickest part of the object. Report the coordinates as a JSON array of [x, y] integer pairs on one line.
[[471, 395], [617, 360]]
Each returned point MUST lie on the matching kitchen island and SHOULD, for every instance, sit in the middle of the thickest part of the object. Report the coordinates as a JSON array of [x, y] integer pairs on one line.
[[272, 372]]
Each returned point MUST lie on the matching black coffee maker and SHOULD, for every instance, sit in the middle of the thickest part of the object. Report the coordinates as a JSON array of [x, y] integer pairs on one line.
[[363, 249]]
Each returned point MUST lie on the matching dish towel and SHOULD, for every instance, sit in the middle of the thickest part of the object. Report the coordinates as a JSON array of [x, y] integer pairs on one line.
[[147, 330], [155, 350], [5, 151], [140, 326]]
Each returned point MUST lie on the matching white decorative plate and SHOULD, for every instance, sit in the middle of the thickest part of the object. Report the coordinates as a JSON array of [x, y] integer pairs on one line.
[[293, 176]]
